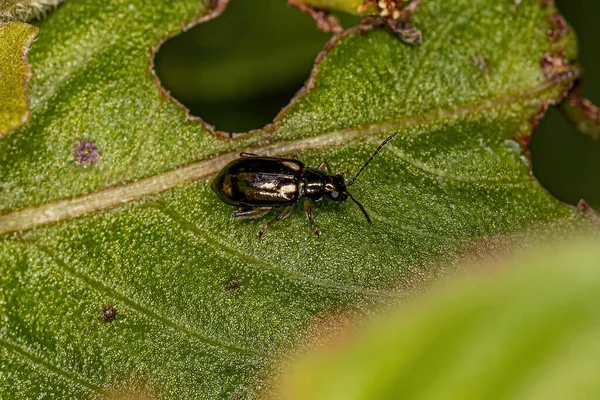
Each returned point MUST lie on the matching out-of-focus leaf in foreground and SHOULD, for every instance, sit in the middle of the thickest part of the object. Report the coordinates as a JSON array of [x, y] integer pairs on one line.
[[121, 272], [528, 331], [15, 38]]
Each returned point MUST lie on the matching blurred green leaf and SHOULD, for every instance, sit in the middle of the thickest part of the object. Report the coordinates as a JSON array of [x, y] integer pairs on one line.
[[528, 331], [104, 199], [15, 38]]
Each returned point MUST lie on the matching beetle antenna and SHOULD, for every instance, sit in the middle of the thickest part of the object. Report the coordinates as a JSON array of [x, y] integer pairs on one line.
[[393, 135], [361, 207]]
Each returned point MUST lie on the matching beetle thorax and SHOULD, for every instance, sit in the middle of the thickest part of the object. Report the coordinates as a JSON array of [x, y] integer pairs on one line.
[[316, 184]]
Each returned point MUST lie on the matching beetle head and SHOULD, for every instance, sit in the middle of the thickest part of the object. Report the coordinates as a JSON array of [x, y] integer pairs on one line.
[[335, 189]]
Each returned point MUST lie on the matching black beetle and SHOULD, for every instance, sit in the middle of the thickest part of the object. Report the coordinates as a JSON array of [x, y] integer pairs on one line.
[[258, 184]]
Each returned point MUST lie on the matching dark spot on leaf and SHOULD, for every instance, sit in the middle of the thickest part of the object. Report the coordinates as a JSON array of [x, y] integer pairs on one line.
[[109, 314], [232, 285], [85, 153]]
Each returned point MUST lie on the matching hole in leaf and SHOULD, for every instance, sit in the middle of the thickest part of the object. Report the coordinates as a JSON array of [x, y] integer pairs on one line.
[[238, 70], [566, 161]]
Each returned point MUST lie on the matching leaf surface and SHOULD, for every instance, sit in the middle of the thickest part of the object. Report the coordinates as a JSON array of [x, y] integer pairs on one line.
[[15, 38], [105, 199]]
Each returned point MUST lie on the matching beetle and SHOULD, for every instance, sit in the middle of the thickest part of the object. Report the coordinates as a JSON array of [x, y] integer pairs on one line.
[[258, 184]]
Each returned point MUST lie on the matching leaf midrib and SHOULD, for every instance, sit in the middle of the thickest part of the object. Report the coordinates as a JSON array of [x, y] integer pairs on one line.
[[61, 210]]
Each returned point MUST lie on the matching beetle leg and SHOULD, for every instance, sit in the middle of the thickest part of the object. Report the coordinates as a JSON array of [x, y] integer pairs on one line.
[[281, 216], [249, 212], [324, 165], [309, 215], [246, 155]]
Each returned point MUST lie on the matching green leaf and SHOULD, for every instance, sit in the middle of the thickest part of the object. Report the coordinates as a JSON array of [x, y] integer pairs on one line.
[[15, 38], [105, 197], [528, 332]]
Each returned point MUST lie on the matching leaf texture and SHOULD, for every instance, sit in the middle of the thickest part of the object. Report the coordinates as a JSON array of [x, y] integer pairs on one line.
[[105, 199], [15, 72]]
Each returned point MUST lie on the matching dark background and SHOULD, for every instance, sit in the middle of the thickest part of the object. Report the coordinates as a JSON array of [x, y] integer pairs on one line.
[[238, 70]]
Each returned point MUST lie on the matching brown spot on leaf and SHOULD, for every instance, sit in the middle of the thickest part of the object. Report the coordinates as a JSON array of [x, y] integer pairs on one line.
[[535, 120], [109, 313], [394, 15], [404, 29], [525, 140], [555, 67], [232, 285], [323, 19], [559, 27], [85, 153], [584, 207]]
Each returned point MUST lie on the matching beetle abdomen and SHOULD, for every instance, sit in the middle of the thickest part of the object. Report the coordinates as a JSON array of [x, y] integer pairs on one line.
[[259, 182]]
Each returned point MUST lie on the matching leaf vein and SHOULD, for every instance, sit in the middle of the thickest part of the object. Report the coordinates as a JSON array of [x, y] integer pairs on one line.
[[99, 286], [49, 366], [188, 226], [432, 44], [460, 179], [29, 218]]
